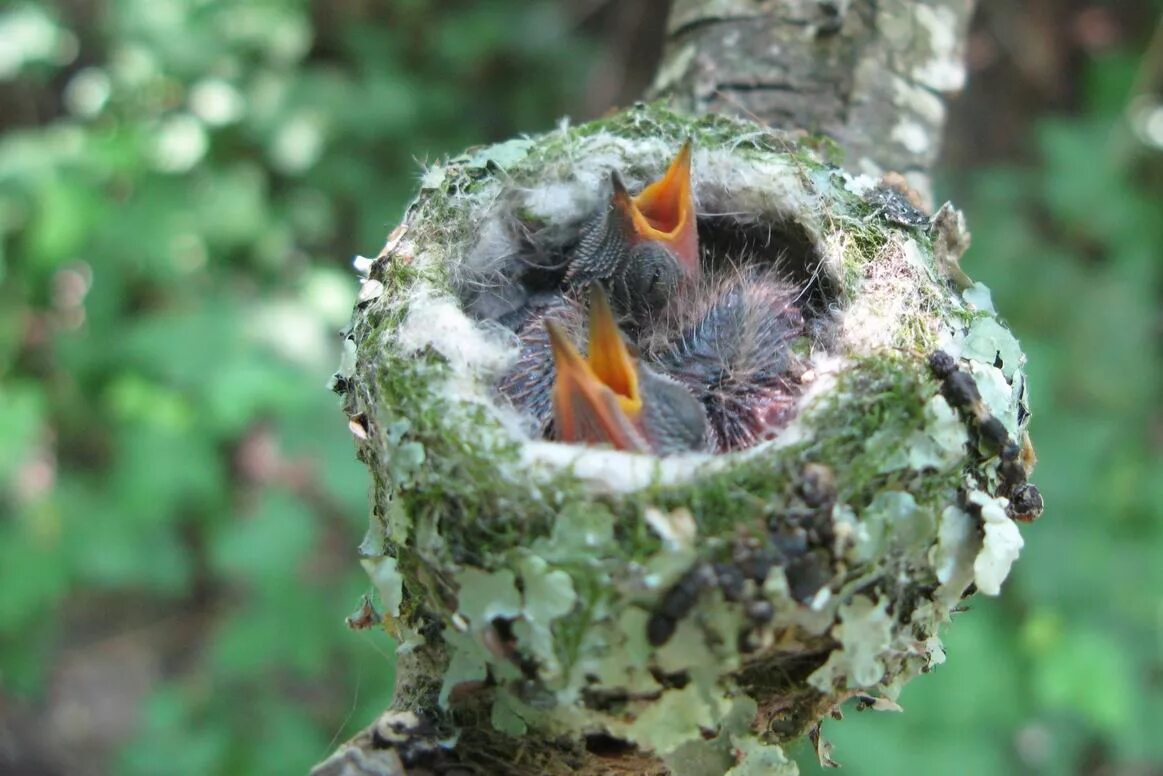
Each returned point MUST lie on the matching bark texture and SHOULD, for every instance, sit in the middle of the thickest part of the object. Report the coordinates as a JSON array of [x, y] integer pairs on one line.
[[871, 74]]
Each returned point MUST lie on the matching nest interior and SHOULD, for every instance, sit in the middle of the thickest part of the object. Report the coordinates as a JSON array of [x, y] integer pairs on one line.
[[700, 608]]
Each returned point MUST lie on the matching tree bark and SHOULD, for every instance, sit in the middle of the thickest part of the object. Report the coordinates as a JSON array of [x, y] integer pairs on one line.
[[870, 74]]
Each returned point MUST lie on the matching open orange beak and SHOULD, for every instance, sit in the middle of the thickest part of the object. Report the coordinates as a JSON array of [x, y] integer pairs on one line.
[[664, 211], [596, 399]]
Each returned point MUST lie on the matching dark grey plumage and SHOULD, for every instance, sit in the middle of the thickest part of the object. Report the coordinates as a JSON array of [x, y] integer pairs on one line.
[[528, 384], [734, 354], [642, 276], [673, 419]]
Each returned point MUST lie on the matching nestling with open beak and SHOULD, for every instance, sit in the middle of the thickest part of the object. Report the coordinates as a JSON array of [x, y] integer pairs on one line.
[[610, 397], [642, 247]]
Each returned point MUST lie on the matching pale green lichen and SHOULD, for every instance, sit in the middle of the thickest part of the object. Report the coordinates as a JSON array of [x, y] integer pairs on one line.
[[989, 342], [999, 548], [954, 553], [865, 632], [536, 589], [388, 582]]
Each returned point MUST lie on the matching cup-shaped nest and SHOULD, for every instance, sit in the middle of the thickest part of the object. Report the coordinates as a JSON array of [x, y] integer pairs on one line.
[[703, 606]]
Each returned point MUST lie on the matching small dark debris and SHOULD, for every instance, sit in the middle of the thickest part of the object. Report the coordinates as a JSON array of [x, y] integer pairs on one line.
[[830, 20], [942, 364], [604, 745], [1023, 408], [894, 207], [1013, 474], [731, 581], [817, 487], [659, 629], [760, 611], [414, 737], [1026, 503], [790, 542], [365, 616], [807, 575], [960, 389], [783, 725], [499, 640], [993, 433], [757, 565], [681, 598], [746, 643], [672, 681], [677, 602]]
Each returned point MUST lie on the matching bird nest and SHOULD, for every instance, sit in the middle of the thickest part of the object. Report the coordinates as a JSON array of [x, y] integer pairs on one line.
[[697, 608]]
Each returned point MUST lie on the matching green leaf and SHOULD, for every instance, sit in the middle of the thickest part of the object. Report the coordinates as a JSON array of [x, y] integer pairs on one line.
[[269, 545], [21, 419]]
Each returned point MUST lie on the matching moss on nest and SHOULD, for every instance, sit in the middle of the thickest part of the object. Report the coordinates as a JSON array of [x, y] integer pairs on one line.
[[699, 609]]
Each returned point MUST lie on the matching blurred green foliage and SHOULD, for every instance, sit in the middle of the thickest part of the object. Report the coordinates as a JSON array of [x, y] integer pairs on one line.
[[182, 184]]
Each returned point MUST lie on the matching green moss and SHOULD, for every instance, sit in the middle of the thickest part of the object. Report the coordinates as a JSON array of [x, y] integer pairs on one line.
[[655, 121], [881, 398], [399, 277]]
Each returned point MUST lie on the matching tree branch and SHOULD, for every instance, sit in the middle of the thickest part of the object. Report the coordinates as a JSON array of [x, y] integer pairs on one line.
[[871, 75]]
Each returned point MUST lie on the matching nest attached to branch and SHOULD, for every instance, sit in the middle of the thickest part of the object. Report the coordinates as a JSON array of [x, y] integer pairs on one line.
[[558, 605]]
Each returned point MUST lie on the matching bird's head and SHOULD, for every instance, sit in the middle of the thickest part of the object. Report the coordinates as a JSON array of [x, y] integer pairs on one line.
[[610, 397], [643, 247], [663, 213]]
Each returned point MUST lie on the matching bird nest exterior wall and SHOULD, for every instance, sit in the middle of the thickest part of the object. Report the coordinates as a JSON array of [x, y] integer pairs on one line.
[[702, 607]]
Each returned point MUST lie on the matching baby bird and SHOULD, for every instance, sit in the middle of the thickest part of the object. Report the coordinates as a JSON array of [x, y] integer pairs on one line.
[[611, 397], [716, 369], [643, 248], [728, 344]]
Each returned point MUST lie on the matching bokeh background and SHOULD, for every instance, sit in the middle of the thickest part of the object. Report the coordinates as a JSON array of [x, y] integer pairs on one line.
[[183, 184]]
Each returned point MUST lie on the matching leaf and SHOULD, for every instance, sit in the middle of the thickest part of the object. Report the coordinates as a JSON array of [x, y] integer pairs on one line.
[[21, 418], [269, 545]]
